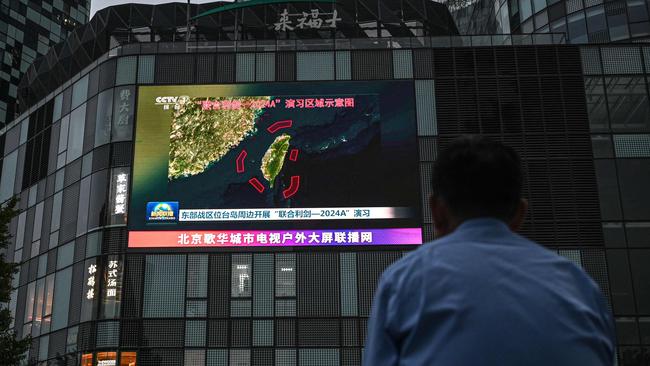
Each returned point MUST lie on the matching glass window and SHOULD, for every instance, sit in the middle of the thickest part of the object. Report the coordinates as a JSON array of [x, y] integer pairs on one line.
[[42, 266], [43, 346], [122, 128], [104, 116], [38, 221], [617, 25], [56, 213], [538, 5], [637, 11], [577, 28], [29, 302], [128, 358], [20, 231], [63, 134], [8, 176], [126, 67], [640, 29], [628, 104], [71, 341], [61, 302], [65, 255], [79, 92], [558, 26], [58, 103], [526, 9], [541, 20], [596, 19], [503, 21], [76, 134], [49, 294], [38, 307], [24, 131]]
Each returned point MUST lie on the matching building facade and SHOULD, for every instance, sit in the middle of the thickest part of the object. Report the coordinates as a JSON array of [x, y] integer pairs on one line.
[[27, 31], [582, 21], [104, 282]]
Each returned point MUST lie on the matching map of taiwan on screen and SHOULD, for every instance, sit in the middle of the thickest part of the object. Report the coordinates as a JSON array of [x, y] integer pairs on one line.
[[283, 159]]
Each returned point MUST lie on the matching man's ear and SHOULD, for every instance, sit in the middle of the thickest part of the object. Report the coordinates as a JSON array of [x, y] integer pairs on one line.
[[441, 216], [520, 214]]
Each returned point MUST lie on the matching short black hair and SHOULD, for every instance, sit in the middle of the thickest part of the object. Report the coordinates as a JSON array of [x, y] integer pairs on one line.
[[478, 177]]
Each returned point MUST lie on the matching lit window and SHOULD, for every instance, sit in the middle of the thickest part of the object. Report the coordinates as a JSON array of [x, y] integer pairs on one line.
[[128, 358]]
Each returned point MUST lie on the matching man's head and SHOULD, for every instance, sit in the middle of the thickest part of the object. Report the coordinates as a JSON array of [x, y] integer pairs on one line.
[[476, 177]]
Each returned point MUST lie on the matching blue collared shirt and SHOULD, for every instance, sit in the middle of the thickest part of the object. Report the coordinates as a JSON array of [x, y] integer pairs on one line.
[[484, 295]]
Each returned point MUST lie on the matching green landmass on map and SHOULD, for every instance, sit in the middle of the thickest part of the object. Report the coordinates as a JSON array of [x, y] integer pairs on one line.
[[199, 138], [274, 158]]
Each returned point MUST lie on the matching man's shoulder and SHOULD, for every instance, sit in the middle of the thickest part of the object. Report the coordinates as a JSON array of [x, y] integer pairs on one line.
[[416, 261]]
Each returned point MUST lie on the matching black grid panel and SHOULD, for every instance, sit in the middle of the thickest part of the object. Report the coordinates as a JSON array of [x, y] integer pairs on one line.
[[175, 69], [121, 154], [372, 65], [218, 333], [106, 76], [423, 63], [350, 332], [285, 66], [373, 264], [595, 263], [72, 172], [224, 68], [76, 292], [89, 129], [163, 333], [535, 103], [285, 332], [86, 336], [350, 357], [318, 333], [318, 285], [69, 213], [36, 158], [219, 286], [33, 269], [80, 248], [262, 356], [205, 68], [132, 290], [114, 240], [57, 343], [161, 357], [101, 158], [130, 331], [240, 333]]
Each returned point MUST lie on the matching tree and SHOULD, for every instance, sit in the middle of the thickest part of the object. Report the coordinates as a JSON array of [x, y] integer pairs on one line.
[[12, 350]]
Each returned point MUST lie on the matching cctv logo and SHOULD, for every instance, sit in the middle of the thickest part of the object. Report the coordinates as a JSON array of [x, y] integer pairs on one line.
[[174, 101]]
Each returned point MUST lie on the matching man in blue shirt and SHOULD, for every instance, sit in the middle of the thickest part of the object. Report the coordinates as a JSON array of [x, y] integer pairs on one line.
[[481, 294]]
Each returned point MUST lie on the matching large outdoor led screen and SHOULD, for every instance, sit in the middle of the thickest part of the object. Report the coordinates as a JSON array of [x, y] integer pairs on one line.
[[282, 164]]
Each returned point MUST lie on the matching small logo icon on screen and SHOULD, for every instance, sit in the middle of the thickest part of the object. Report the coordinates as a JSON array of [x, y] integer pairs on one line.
[[162, 211]]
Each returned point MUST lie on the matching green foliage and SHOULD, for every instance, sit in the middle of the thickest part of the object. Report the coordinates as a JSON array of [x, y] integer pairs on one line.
[[200, 137], [11, 349]]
